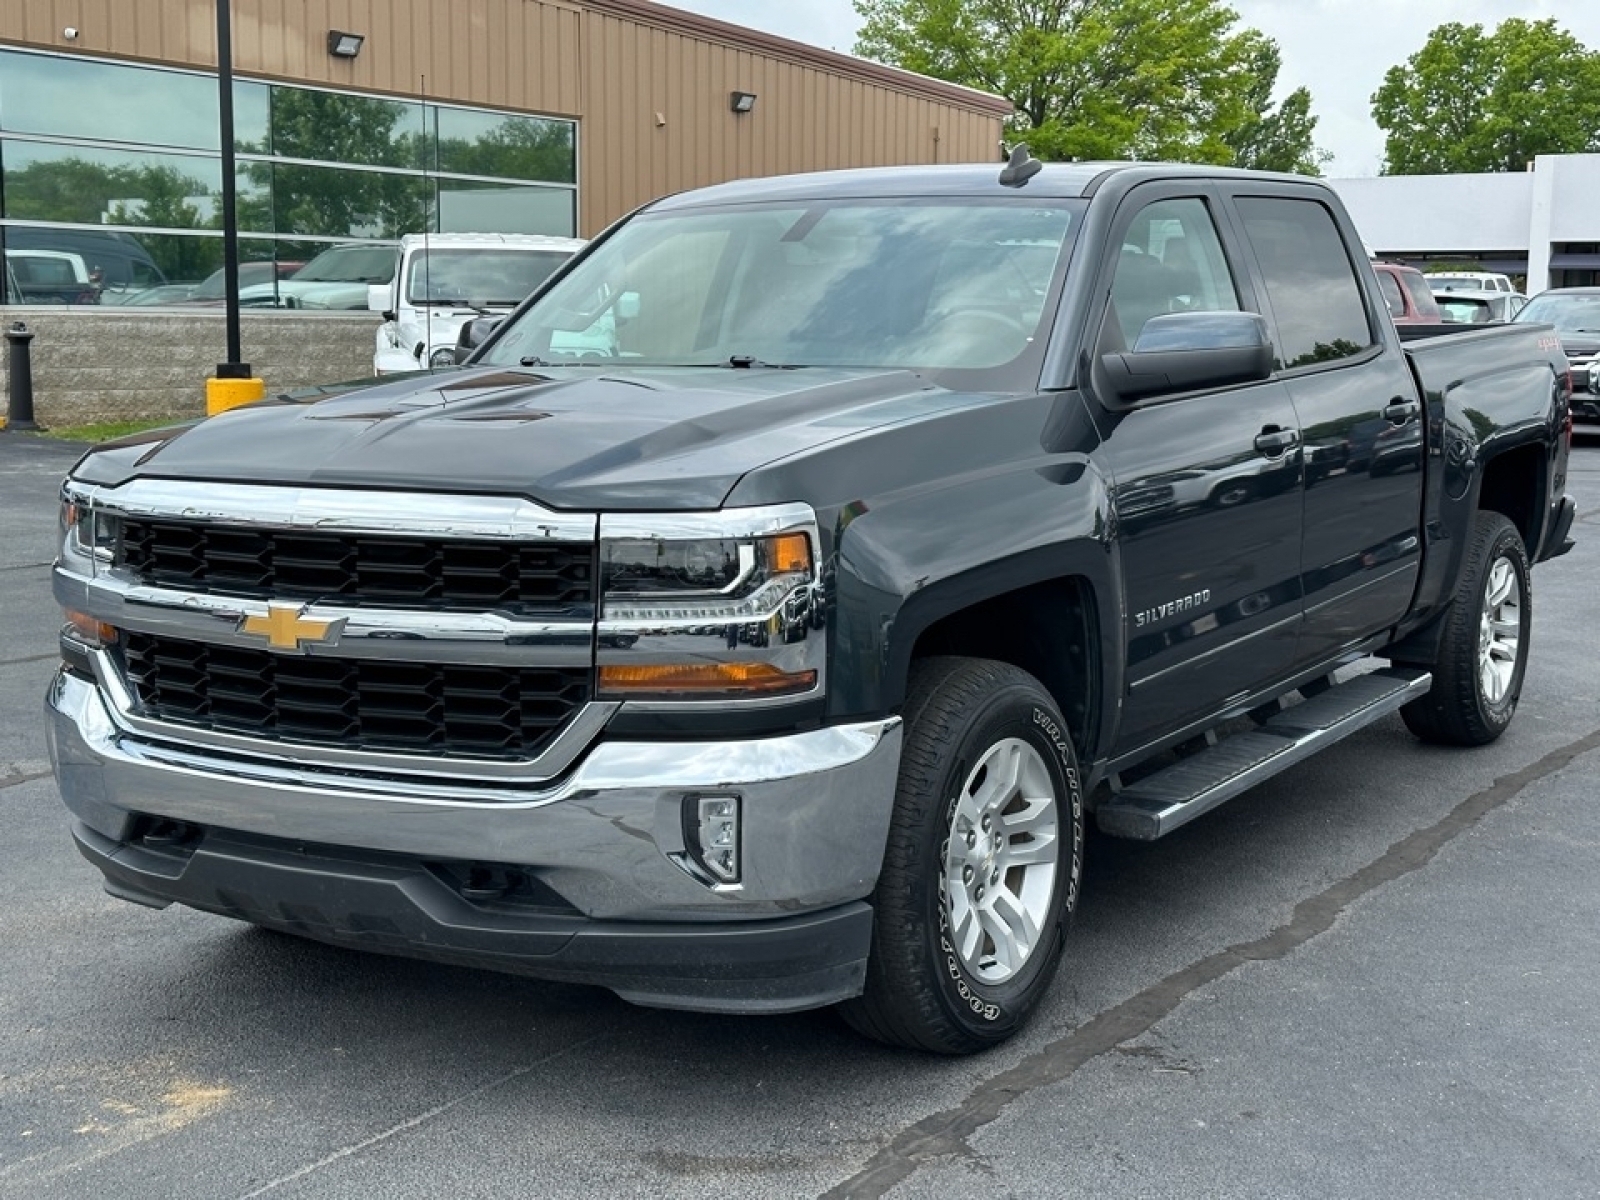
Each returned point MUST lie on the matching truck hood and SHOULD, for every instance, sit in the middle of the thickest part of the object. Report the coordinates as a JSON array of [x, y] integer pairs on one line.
[[569, 438]]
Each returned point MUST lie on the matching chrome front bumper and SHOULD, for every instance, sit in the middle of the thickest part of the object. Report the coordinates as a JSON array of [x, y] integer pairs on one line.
[[609, 837], [359, 860]]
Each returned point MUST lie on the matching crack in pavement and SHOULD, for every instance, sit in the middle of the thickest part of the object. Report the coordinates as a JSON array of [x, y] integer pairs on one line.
[[944, 1134], [421, 1118], [10, 781], [26, 566], [32, 658]]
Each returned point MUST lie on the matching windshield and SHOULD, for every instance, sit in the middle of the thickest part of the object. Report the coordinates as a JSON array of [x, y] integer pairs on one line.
[[861, 283], [500, 276], [1570, 314], [350, 264], [1465, 309]]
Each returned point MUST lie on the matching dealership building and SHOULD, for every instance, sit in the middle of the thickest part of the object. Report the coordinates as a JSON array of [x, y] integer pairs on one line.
[[368, 119], [1542, 224]]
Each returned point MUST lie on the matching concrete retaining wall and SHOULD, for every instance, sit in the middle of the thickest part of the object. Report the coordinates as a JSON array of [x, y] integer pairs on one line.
[[108, 364]]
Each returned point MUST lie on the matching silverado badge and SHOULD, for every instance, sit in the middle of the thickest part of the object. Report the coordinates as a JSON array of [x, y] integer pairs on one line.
[[286, 627]]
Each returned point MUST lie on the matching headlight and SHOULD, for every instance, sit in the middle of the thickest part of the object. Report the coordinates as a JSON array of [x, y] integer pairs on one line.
[[733, 614], [444, 357], [88, 537]]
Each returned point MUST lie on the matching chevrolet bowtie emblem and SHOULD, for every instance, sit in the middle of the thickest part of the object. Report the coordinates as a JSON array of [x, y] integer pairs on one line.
[[286, 627]]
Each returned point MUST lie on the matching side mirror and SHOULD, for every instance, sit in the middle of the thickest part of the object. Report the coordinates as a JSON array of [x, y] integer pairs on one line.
[[473, 334], [378, 299], [1185, 352], [627, 307]]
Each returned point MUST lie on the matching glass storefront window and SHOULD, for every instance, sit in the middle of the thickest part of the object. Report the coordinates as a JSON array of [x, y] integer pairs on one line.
[[505, 146], [467, 207], [332, 202], [335, 127], [94, 153], [58, 96], [92, 186]]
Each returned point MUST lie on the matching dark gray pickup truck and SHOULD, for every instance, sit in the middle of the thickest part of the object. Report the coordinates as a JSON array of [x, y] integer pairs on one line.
[[758, 618]]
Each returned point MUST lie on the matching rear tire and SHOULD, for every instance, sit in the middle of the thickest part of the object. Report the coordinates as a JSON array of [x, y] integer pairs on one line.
[[983, 863], [1483, 654]]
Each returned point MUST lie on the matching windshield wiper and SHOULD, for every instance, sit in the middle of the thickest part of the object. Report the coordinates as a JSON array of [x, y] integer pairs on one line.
[[743, 362]]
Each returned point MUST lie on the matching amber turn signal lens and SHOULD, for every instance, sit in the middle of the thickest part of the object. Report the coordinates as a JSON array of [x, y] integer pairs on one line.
[[96, 633], [790, 552], [748, 679]]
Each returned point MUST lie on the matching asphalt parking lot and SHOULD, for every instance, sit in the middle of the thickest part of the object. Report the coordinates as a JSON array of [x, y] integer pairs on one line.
[[1373, 976]]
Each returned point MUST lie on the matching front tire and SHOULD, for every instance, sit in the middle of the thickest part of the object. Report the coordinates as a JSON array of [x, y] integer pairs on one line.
[[983, 863], [1483, 655]]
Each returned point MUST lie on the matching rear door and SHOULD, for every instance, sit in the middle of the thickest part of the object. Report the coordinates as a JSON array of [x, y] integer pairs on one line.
[[1206, 484], [1339, 357]]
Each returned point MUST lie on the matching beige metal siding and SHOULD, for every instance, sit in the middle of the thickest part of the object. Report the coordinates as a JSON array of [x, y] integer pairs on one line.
[[649, 84], [658, 120]]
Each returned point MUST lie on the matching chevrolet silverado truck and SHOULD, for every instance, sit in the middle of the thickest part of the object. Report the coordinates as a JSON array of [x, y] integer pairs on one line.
[[779, 657]]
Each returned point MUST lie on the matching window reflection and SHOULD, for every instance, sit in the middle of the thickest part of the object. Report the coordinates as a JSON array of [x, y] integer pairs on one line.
[[337, 128], [71, 97], [505, 146], [466, 207], [305, 171], [89, 186], [333, 202]]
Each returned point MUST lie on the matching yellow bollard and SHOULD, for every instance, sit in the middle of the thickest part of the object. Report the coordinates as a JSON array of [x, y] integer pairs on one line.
[[223, 394]]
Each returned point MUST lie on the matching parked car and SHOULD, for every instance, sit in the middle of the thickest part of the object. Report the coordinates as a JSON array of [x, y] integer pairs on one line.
[[1469, 281], [448, 279], [52, 277], [339, 277], [212, 291], [115, 262], [1575, 312], [780, 657], [1405, 291], [1480, 307]]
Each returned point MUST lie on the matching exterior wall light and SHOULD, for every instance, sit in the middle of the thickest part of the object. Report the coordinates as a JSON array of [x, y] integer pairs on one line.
[[741, 102], [344, 45]]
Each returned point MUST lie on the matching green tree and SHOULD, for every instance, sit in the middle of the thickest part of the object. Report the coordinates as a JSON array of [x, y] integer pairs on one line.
[[1140, 79], [1281, 138], [1470, 101]]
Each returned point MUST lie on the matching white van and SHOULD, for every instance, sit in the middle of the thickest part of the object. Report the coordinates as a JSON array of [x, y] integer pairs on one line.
[[446, 280]]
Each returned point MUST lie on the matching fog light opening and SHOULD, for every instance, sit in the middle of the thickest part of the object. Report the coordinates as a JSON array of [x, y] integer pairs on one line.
[[714, 824]]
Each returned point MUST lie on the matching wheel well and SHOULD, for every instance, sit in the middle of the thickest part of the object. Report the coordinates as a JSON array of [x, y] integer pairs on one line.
[[1511, 486], [1048, 630]]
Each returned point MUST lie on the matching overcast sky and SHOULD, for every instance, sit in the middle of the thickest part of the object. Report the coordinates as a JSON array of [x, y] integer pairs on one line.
[[1337, 48]]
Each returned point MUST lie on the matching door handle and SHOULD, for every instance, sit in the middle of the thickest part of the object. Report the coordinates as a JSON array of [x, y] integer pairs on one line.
[[1400, 410], [1273, 441]]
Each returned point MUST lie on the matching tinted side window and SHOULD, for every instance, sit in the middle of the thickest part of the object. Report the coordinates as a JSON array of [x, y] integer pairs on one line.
[[1421, 294], [1390, 288], [1309, 279], [1171, 261]]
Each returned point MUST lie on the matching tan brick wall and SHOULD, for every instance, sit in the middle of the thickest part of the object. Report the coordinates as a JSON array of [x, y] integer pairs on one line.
[[107, 364]]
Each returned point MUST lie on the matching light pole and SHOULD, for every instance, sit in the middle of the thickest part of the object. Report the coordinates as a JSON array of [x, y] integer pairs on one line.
[[233, 383]]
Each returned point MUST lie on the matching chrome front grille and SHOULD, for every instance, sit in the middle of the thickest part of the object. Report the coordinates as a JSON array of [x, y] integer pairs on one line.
[[444, 709], [357, 569]]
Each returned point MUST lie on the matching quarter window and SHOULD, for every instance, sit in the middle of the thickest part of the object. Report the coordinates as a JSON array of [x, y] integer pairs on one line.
[[1310, 281]]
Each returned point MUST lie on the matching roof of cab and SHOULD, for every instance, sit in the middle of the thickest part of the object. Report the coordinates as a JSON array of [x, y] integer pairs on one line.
[[1056, 181]]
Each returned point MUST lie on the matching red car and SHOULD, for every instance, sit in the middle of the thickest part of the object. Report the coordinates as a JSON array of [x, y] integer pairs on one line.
[[1406, 292]]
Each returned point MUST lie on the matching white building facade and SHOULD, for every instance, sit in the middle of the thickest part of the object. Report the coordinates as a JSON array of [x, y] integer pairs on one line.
[[1543, 224]]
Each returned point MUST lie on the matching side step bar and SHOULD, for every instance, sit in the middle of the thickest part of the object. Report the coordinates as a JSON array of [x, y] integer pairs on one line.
[[1177, 795]]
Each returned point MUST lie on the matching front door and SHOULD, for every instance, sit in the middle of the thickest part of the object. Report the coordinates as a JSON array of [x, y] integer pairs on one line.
[[1206, 488]]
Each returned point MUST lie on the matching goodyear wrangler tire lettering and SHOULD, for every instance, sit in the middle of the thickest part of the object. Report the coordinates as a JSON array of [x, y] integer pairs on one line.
[[984, 861]]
